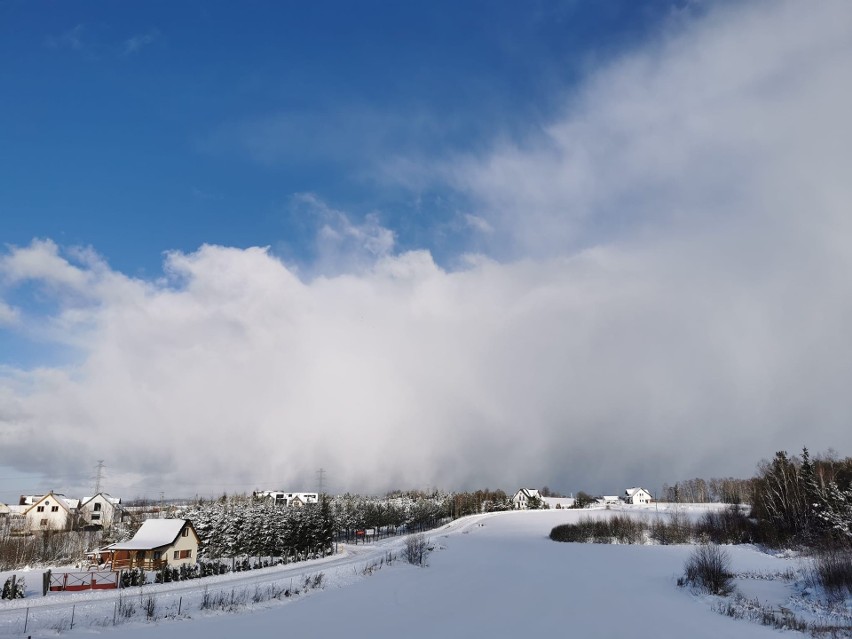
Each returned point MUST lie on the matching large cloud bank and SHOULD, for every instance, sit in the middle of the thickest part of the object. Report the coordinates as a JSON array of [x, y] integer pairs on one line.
[[663, 289]]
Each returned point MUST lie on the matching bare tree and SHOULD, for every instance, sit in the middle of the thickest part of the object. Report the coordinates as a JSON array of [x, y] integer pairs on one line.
[[416, 549]]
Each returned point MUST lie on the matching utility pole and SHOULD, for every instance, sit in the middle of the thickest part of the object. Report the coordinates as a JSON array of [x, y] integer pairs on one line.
[[99, 475]]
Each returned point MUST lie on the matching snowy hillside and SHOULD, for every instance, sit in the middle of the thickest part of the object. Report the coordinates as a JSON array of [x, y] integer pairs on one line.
[[494, 575]]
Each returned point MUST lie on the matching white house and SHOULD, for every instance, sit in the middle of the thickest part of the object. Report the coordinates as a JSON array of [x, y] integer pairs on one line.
[[637, 495], [157, 543], [288, 499], [51, 512], [100, 510], [522, 498], [609, 500]]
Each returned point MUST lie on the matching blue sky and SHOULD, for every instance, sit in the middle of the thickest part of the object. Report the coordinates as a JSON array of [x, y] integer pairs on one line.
[[138, 128], [514, 226]]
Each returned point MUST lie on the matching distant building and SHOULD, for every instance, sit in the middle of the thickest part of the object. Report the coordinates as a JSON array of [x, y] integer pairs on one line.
[[100, 510], [5, 517], [12, 519], [522, 498], [282, 498], [52, 511], [637, 495]]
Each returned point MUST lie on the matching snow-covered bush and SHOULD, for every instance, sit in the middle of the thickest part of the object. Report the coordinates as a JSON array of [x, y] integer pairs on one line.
[[708, 568], [14, 588], [416, 549]]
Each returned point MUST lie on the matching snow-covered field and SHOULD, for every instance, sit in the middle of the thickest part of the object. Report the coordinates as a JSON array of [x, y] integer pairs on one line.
[[492, 575]]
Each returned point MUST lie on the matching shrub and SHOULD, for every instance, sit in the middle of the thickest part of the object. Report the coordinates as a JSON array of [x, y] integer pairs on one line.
[[709, 569], [567, 532], [149, 605], [619, 529], [416, 549], [676, 530], [832, 570], [13, 589], [126, 608], [729, 526]]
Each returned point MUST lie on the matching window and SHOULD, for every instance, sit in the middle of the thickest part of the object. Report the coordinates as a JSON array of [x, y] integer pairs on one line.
[[177, 554], [96, 516], [185, 532], [183, 554], [157, 555], [39, 509], [44, 522], [97, 507], [54, 509]]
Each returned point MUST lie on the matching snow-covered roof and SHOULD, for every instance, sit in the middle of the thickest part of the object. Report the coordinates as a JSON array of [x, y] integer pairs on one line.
[[529, 493], [115, 501], [632, 491], [153, 533], [59, 498]]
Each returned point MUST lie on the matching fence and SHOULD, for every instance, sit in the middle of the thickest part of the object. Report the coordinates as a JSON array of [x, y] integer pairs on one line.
[[152, 603], [93, 580]]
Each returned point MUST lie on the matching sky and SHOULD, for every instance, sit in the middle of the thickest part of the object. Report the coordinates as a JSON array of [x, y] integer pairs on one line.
[[451, 245]]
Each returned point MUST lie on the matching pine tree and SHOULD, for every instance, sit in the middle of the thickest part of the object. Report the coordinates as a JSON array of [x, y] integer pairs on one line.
[[836, 512]]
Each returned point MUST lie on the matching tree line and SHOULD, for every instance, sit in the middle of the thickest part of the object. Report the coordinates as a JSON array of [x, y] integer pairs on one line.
[[796, 499]]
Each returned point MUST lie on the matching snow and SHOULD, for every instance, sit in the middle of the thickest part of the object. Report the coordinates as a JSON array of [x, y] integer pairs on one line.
[[495, 575], [152, 534], [560, 502]]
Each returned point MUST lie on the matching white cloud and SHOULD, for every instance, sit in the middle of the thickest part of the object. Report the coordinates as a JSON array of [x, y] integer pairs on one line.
[[71, 39], [477, 223], [141, 40], [729, 118], [41, 261], [8, 314], [677, 303], [341, 244]]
